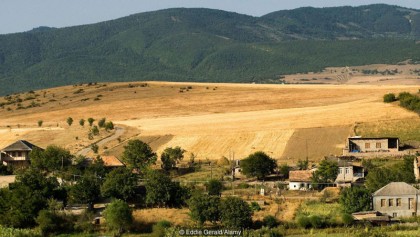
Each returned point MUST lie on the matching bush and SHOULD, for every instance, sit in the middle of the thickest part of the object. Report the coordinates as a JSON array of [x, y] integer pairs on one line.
[[255, 206], [51, 223], [303, 222], [214, 187], [235, 213], [347, 219], [118, 216], [101, 122], [390, 97], [243, 185], [270, 221], [316, 221], [84, 222], [159, 229]]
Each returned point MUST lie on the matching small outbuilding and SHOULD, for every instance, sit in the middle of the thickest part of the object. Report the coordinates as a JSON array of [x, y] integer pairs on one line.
[[300, 179]]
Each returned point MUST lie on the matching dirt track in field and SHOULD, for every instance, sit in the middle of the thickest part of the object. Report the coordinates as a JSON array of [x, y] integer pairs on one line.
[[210, 120]]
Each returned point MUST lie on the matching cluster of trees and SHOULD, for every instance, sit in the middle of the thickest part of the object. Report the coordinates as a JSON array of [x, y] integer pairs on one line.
[[231, 212], [407, 100], [33, 198], [380, 176]]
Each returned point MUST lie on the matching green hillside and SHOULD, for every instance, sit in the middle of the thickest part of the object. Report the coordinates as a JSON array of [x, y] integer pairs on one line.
[[208, 45]]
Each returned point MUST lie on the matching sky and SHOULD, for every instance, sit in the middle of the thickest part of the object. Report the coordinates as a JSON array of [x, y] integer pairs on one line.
[[24, 15]]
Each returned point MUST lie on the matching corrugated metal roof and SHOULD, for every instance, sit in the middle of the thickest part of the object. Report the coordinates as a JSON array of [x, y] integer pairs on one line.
[[20, 145], [396, 189]]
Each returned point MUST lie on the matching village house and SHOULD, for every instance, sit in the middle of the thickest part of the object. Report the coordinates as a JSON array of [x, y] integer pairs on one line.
[[372, 147], [17, 154], [397, 199], [300, 179], [349, 173]]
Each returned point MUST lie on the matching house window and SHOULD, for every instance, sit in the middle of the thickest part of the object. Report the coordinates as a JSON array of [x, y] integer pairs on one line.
[[340, 170], [19, 154], [398, 202], [394, 214], [413, 214], [367, 145], [378, 145], [410, 203], [347, 170], [391, 202], [382, 202]]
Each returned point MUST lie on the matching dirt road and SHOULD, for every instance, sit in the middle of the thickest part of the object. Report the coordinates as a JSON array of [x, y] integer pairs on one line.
[[118, 132]]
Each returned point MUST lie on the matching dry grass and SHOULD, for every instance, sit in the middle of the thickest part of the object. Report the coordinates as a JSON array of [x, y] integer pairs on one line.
[[210, 120], [177, 217], [335, 75], [306, 142], [406, 129]]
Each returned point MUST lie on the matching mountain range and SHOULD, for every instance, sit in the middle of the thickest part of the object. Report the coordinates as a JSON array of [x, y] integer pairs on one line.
[[208, 45]]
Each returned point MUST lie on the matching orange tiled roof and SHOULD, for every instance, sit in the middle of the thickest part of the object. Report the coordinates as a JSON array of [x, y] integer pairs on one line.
[[111, 161]]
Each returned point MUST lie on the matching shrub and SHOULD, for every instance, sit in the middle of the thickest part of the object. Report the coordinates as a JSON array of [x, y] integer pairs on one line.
[[69, 121], [316, 221], [118, 216], [109, 125], [243, 185], [255, 206], [40, 122], [347, 219], [390, 97], [235, 213], [159, 229], [101, 122], [214, 187], [303, 222], [270, 221], [51, 223]]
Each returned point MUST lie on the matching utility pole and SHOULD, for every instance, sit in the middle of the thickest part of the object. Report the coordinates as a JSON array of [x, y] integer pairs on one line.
[[307, 158]]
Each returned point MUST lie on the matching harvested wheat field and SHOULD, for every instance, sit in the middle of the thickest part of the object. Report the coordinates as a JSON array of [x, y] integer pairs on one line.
[[210, 120]]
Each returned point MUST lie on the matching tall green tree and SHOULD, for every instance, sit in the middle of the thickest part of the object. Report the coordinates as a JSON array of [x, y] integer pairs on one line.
[[138, 155], [20, 206], [258, 165], [36, 181], [204, 208], [120, 183], [118, 216], [399, 172], [355, 199], [326, 173], [214, 187], [235, 213], [53, 158], [85, 191], [158, 188], [171, 156]]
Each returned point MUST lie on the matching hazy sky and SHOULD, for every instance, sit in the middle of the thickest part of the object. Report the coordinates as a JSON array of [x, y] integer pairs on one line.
[[23, 15]]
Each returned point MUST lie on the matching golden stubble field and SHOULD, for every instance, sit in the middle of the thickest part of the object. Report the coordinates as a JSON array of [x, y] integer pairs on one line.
[[210, 120]]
